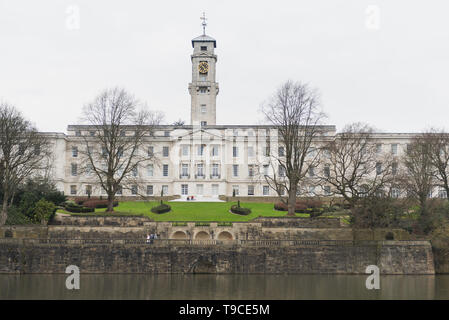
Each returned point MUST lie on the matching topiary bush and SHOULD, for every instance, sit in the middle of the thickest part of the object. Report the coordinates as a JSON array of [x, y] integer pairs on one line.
[[240, 210], [162, 208]]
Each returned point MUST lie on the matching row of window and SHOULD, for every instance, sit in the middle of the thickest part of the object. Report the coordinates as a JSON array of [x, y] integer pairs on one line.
[[149, 189]]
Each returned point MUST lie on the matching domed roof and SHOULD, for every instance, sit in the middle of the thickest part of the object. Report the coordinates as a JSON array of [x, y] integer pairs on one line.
[[204, 38]]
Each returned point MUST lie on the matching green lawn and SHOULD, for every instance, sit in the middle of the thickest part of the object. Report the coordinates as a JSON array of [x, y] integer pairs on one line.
[[198, 211]]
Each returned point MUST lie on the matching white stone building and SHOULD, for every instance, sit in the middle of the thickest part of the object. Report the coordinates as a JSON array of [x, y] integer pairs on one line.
[[203, 158]]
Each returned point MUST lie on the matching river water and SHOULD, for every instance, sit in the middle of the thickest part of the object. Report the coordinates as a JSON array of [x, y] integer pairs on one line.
[[202, 286]]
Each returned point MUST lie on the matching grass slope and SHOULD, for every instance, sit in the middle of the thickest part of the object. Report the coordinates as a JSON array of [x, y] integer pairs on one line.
[[197, 211]]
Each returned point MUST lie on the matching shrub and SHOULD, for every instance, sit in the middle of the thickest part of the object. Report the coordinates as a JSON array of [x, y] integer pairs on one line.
[[301, 206], [98, 204], [240, 210], [314, 214], [75, 208], [44, 211], [162, 208]]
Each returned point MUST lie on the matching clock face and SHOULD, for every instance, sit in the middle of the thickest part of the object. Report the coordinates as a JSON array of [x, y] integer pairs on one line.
[[203, 67]]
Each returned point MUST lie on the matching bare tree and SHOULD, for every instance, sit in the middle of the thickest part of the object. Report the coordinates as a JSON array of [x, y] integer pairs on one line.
[[114, 150], [438, 144], [23, 152], [352, 167], [418, 176], [293, 111]]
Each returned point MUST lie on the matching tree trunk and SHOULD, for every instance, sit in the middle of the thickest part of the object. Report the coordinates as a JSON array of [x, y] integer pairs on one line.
[[110, 203], [291, 201], [4, 213]]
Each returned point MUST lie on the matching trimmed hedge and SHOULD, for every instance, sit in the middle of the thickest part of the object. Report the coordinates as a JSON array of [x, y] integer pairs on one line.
[[240, 210], [98, 204], [79, 209], [162, 208], [302, 206]]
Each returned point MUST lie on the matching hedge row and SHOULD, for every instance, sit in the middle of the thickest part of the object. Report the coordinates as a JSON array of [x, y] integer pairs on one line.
[[98, 204]]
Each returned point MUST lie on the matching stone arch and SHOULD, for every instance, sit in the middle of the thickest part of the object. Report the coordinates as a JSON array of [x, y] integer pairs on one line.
[[179, 235], [225, 235], [202, 235]]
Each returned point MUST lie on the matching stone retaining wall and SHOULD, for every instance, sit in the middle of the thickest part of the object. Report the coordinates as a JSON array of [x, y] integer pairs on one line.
[[392, 257]]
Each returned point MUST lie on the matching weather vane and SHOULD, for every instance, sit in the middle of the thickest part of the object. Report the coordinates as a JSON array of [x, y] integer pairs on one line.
[[204, 23]]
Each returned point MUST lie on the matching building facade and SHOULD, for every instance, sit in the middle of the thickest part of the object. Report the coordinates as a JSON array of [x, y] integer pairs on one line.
[[201, 159]]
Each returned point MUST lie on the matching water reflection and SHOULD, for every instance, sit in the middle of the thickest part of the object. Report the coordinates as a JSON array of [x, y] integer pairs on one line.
[[119, 286]]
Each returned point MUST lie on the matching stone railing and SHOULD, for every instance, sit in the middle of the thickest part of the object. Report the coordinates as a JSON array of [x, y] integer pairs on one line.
[[206, 242]]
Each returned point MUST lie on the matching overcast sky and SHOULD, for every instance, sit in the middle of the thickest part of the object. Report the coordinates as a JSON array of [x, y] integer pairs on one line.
[[381, 62]]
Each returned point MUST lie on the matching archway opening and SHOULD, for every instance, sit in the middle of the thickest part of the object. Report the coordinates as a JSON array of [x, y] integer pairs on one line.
[[179, 235], [225, 235], [202, 235]]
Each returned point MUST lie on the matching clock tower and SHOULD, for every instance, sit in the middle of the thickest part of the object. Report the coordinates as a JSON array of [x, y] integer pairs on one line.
[[203, 89]]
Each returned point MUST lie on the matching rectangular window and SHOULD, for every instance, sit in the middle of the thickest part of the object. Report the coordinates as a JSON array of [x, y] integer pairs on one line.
[[215, 189], [281, 170], [203, 48], [250, 152], [184, 189], [92, 133], [281, 152], [251, 170], [251, 190], [149, 190], [200, 171], [395, 192], [74, 169], [73, 189], [378, 168], [150, 170], [378, 148], [265, 169], [311, 172], [135, 172], [235, 190], [235, 152], [165, 151], [134, 189], [166, 133], [201, 149], [394, 168], [150, 151], [165, 170], [266, 190], [199, 189], [88, 190], [164, 190], [74, 152], [78, 133], [327, 190], [203, 89], [185, 150], [214, 151], [203, 108], [235, 170], [203, 123], [394, 149], [442, 193], [184, 170], [215, 170]]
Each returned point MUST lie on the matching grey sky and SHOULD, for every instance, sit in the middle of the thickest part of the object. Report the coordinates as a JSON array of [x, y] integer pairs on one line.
[[394, 77]]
